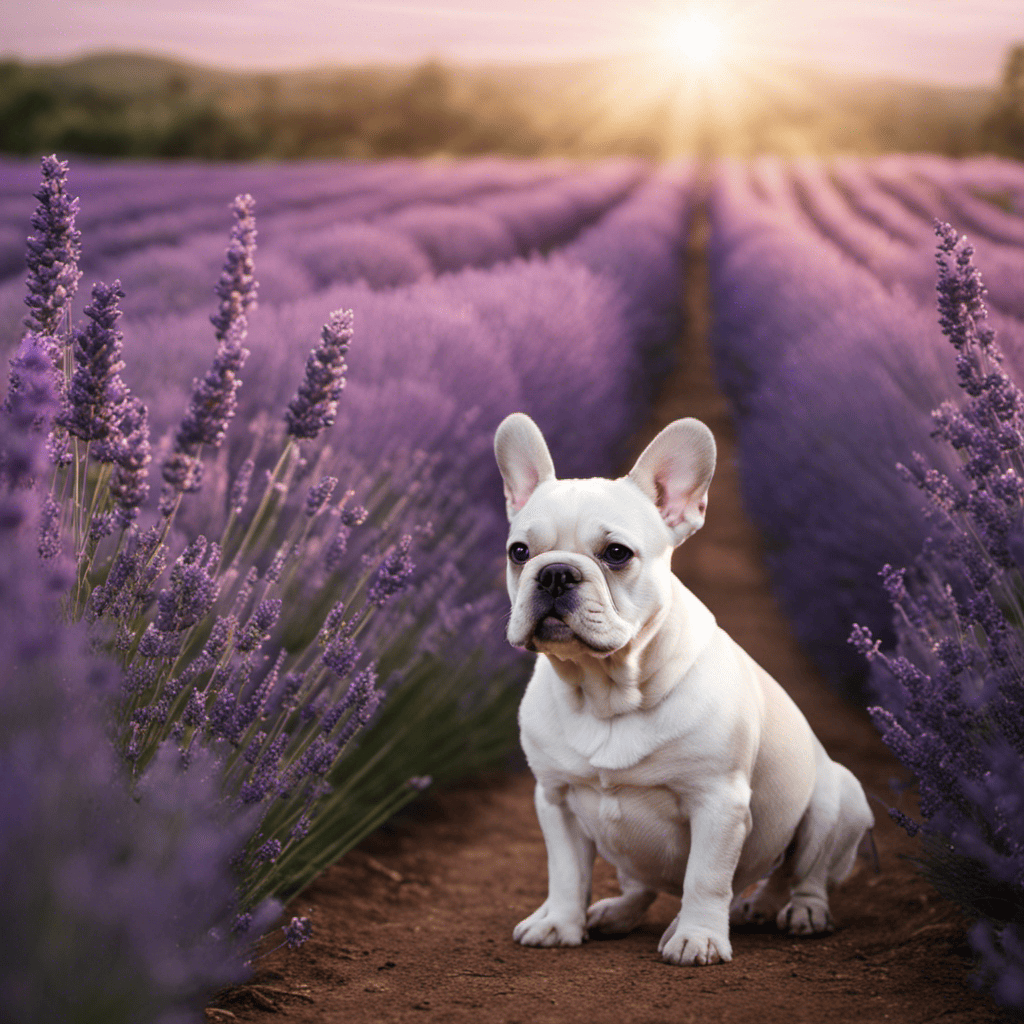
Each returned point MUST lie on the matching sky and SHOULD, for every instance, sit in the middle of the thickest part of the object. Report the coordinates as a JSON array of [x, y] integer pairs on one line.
[[949, 41]]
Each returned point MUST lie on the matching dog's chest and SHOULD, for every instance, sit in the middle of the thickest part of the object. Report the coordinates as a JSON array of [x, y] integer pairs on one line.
[[627, 778]]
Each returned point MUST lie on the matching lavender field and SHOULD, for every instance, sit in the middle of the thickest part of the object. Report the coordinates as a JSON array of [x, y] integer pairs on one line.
[[276, 539]]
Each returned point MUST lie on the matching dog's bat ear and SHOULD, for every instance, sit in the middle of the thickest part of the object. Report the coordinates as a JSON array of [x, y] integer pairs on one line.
[[675, 472], [523, 458]]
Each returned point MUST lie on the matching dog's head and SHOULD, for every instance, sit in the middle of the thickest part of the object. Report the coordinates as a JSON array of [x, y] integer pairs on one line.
[[589, 560]]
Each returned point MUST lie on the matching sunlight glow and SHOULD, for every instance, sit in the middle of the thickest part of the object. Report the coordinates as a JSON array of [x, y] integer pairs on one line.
[[698, 38]]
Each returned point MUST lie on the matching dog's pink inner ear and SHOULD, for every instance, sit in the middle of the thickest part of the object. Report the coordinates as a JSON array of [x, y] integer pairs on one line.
[[518, 490], [675, 472]]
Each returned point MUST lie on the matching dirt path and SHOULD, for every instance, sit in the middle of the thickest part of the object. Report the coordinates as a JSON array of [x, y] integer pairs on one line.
[[416, 924]]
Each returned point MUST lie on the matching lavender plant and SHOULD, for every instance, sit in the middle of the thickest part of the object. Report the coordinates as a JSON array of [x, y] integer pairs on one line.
[[951, 695], [119, 899]]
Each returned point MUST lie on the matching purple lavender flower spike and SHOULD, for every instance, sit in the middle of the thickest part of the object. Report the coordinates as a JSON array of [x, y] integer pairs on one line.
[[240, 486], [314, 407], [131, 456], [53, 252], [393, 575], [214, 399], [319, 494], [237, 286], [49, 529], [191, 593], [28, 409], [269, 851], [259, 625], [298, 931], [96, 393]]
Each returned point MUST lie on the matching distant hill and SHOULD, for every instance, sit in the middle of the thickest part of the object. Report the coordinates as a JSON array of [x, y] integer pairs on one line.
[[135, 105]]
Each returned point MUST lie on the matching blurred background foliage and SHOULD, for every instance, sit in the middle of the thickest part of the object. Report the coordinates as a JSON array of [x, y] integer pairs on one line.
[[133, 105]]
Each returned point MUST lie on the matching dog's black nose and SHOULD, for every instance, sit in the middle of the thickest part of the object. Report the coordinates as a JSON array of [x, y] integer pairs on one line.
[[558, 577]]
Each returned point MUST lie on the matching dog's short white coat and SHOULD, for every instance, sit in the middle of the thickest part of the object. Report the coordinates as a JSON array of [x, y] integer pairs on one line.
[[656, 740]]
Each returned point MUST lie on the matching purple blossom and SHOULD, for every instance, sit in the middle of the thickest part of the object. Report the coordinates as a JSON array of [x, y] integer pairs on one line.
[[268, 852], [298, 931], [96, 394], [53, 252], [240, 486], [341, 654], [319, 494], [129, 450], [27, 411], [393, 574], [214, 401], [191, 592], [49, 529], [237, 286], [259, 624], [314, 407]]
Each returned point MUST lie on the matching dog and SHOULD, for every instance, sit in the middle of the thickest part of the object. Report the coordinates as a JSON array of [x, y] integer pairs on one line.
[[654, 738]]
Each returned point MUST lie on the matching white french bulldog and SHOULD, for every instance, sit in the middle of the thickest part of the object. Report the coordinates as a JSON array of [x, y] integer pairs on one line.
[[656, 740]]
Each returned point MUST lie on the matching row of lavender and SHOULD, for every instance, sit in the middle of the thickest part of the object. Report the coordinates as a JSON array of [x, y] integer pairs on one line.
[[158, 228], [356, 593], [828, 345]]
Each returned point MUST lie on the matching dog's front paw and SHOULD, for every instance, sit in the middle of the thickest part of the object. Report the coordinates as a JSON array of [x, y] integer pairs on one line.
[[544, 927], [694, 944], [805, 915]]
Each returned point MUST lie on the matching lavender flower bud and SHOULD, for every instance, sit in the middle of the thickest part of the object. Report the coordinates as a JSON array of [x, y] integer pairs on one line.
[[301, 828], [129, 484], [53, 252], [49, 529], [191, 593], [240, 487], [259, 625], [27, 410], [319, 494], [354, 516], [97, 392], [336, 549], [297, 931], [213, 401], [341, 655], [269, 851], [237, 286], [315, 405], [393, 575]]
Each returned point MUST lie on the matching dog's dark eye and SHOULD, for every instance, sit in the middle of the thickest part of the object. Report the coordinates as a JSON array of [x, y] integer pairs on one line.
[[617, 555], [519, 553]]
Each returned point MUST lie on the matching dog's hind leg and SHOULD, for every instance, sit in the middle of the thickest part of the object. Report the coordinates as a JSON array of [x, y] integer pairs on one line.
[[826, 845], [620, 914], [761, 902]]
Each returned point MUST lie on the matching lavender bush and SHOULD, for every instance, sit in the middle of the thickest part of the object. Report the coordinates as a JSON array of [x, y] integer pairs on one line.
[[119, 899], [951, 694]]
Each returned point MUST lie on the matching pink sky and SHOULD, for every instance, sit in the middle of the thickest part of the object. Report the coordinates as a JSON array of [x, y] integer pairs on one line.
[[957, 41]]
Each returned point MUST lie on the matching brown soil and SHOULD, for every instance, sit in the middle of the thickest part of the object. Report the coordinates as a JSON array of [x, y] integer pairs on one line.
[[416, 924]]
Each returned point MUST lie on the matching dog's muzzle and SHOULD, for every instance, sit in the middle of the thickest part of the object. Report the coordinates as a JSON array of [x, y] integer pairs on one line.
[[555, 597]]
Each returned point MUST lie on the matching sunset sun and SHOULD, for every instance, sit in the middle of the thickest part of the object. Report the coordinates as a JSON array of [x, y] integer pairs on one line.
[[697, 38]]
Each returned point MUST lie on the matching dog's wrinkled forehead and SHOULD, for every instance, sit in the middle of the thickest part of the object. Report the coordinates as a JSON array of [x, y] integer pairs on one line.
[[573, 515]]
